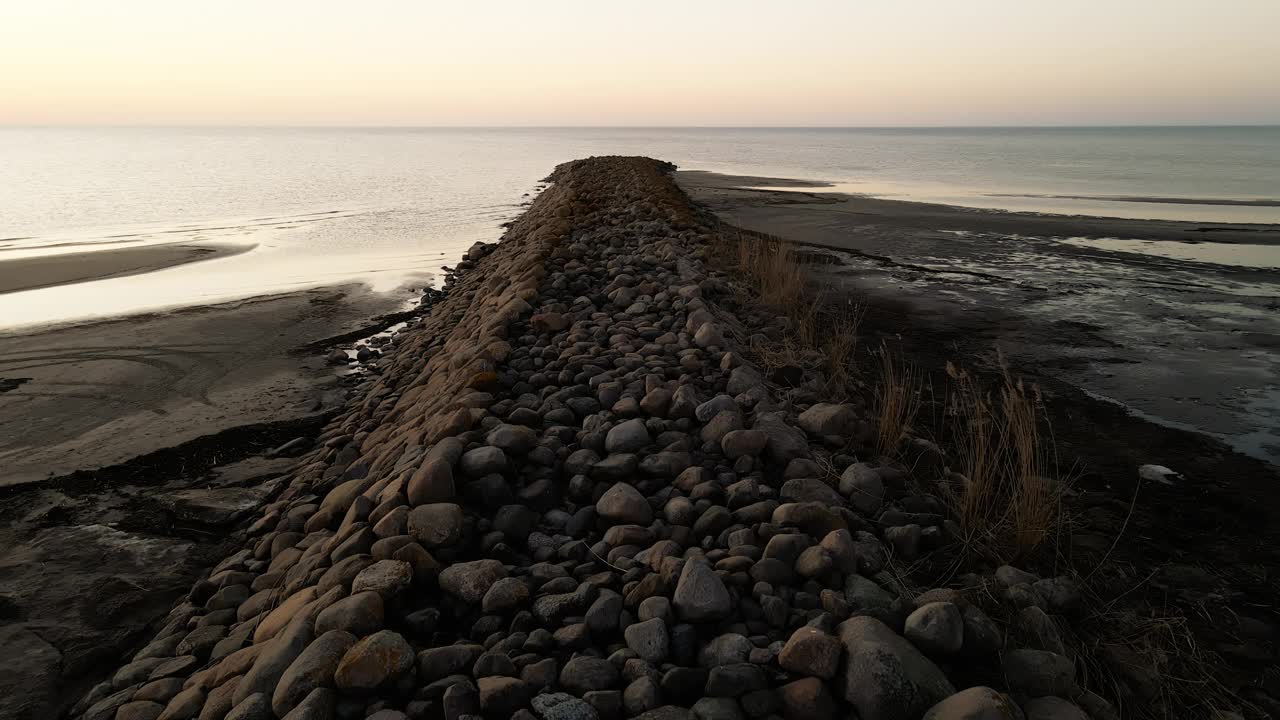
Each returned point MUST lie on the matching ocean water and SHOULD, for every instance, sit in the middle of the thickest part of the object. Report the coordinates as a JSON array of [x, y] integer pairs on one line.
[[388, 207]]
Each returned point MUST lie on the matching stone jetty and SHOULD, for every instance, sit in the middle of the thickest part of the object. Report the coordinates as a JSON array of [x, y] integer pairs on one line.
[[568, 494]]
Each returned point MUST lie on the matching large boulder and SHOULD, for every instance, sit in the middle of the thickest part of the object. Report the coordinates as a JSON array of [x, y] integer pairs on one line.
[[700, 594], [562, 706], [501, 696], [359, 614], [703, 412], [318, 705], [584, 674], [785, 443], [1038, 672], [814, 518], [313, 668], [436, 663], [513, 439], [885, 677], [648, 639], [742, 379], [829, 419], [385, 577], [624, 505], [469, 581], [709, 335], [436, 524], [720, 426], [976, 703], [483, 461], [936, 628], [811, 652], [864, 594], [374, 662], [806, 699], [864, 487], [810, 490], [505, 594], [548, 322], [684, 402], [431, 483], [740, 443], [627, 437], [275, 659]]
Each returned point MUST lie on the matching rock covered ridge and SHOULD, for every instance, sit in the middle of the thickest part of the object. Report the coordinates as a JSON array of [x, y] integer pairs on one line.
[[569, 496]]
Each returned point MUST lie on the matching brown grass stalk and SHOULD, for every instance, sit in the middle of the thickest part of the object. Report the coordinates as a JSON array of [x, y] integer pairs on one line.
[[898, 399], [818, 333], [1005, 498], [842, 342], [772, 267]]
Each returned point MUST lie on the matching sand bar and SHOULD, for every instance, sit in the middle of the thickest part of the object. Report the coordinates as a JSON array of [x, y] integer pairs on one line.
[[31, 273]]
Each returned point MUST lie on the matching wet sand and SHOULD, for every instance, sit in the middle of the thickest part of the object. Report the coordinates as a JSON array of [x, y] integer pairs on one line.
[[1187, 344], [97, 394], [31, 273], [740, 195], [129, 450]]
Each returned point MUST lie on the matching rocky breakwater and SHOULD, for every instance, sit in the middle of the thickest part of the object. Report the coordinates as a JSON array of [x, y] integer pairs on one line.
[[569, 496]]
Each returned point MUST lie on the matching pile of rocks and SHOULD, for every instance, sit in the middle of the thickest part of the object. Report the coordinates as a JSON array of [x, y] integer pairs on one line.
[[568, 496]]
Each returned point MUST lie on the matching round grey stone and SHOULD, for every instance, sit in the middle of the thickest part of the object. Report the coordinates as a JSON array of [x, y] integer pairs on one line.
[[936, 628]]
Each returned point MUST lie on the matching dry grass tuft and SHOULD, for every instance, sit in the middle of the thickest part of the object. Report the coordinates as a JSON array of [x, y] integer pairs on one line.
[[1155, 661], [841, 346], [1005, 499], [772, 267], [898, 399], [818, 333]]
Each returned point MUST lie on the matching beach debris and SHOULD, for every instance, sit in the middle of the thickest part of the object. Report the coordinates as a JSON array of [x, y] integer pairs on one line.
[[1159, 474], [295, 445]]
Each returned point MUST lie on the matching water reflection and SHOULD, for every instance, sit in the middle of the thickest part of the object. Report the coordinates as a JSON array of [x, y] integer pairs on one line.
[[1235, 254]]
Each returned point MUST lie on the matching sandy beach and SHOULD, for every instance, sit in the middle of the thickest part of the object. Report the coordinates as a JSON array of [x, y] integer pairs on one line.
[[97, 394], [31, 273]]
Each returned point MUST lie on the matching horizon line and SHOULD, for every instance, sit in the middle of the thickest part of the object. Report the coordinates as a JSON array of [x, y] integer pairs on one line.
[[410, 126]]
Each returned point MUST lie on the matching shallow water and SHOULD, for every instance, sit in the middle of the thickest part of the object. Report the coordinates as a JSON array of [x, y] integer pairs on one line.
[[1186, 342], [390, 206], [1188, 209], [1239, 255]]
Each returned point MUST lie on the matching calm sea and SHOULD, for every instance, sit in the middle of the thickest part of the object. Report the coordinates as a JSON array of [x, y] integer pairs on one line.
[[383, 205]]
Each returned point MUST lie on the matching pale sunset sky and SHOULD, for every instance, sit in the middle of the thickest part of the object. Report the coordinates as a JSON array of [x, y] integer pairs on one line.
[[660, 62]]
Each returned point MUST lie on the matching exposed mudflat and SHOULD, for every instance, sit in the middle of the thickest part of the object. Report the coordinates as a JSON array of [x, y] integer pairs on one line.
[[93, 395], [742, 193], [86, 568], [129, 451], [1175, 321], [1143, 358]]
